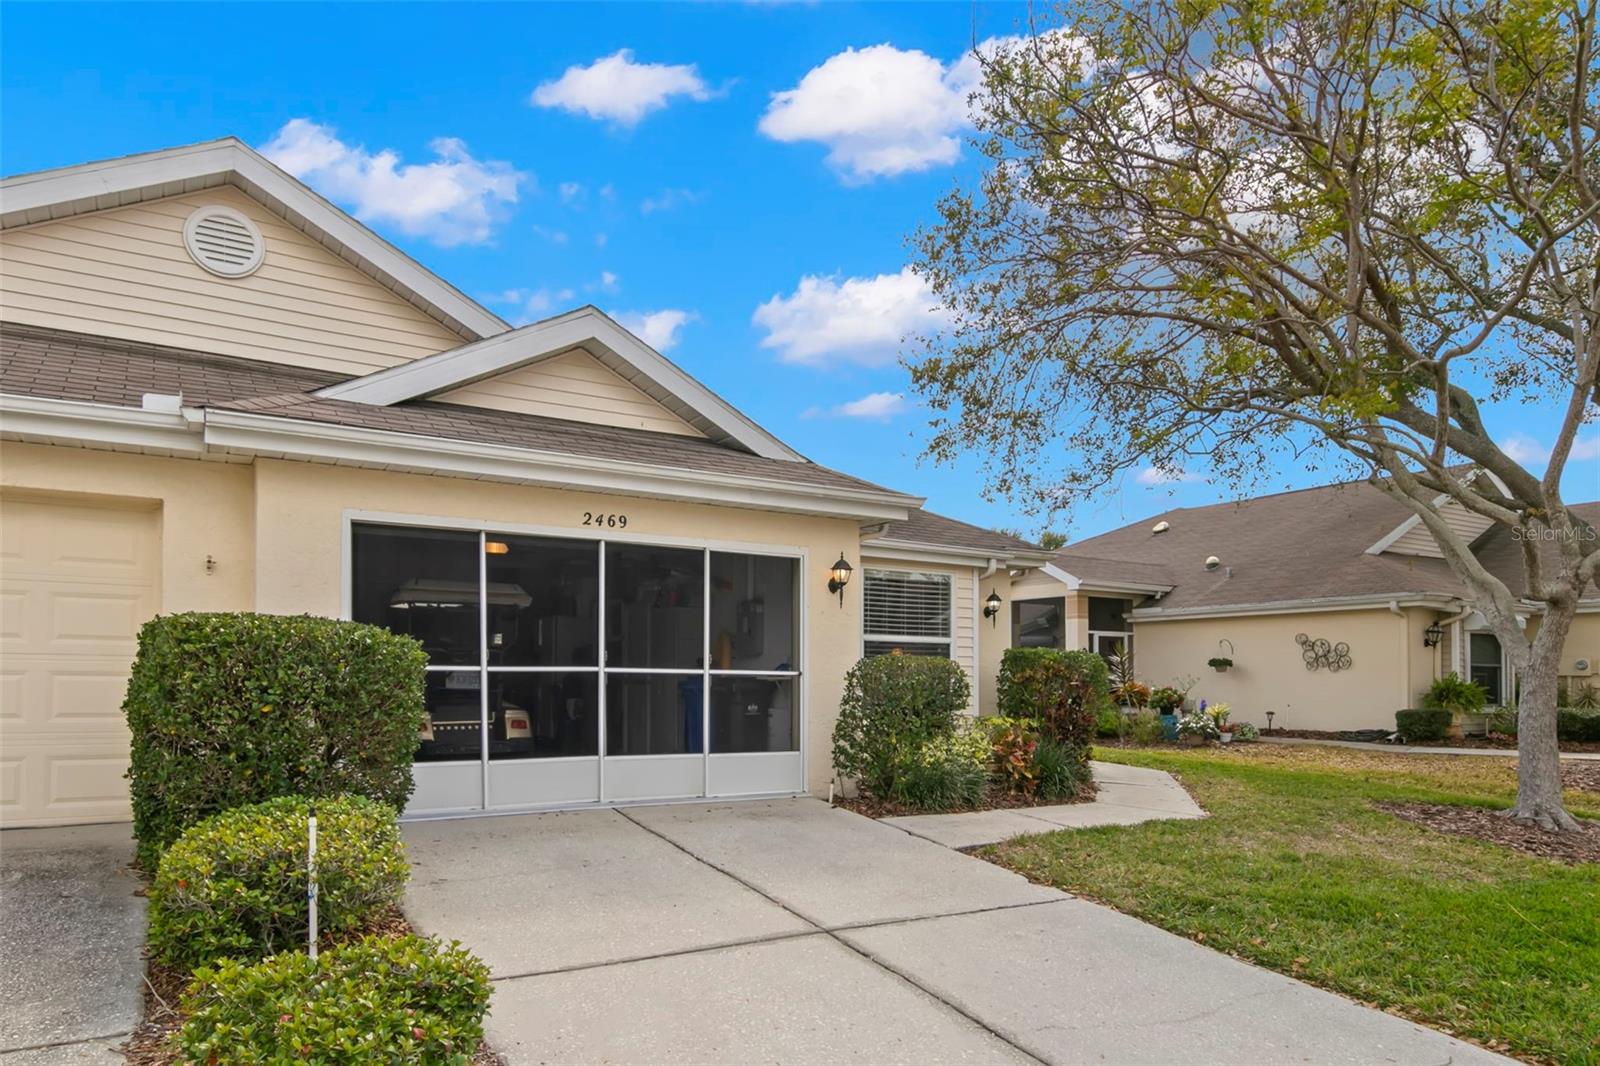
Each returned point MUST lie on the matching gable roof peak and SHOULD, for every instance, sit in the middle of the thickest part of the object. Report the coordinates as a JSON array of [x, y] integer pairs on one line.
[[105, 184], [587, 328]]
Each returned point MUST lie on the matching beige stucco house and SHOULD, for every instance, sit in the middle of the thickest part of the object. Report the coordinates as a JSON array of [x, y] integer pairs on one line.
[[1345, 564], [221, 392]]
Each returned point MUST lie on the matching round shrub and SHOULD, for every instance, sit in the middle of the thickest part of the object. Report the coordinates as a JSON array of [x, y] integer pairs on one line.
[[1064, 690], [399, 1000], [1577, 725], [229, 709], [235, 885], [893, 704], [1422, 723]]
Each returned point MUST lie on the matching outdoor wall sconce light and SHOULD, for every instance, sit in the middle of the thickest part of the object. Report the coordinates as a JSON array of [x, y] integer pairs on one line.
[[991, 608], [1432, 635], [839, 577]]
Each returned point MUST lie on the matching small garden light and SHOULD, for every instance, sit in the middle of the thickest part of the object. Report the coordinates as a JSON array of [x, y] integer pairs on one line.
[[839, 577], [1269, 720], [991, 608]]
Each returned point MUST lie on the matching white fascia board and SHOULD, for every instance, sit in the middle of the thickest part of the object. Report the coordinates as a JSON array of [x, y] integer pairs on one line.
[[586, 327], [913, 551], [1307, 606], [98, 424], [1075, 583], [270, 435], [27, 199]]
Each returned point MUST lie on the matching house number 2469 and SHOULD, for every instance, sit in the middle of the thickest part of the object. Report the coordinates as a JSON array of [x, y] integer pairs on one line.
[[608, 521]]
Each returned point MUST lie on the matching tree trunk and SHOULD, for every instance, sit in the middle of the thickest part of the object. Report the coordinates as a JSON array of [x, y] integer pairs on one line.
[[1538, 757]]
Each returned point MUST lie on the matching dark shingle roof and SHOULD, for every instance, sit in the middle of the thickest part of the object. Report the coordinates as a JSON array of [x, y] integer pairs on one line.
[[56, 364], [926, 527], [1309, 544]]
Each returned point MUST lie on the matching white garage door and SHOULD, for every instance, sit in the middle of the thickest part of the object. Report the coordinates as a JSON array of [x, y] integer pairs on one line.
[[76, 582]]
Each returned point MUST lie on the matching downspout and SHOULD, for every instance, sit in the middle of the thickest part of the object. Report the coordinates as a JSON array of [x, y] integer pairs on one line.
[[977, 636], [1405, 655]]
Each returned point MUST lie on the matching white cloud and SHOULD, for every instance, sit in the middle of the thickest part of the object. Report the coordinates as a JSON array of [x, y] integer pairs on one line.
[[1157, 475], [1529, 451], [882, 110], [879, 110], [668, 199], [530, 305], [608, 281], [617, 89], [570, 192], [600, 240], [554, 236], [877, 406], [858, 320], [658, 329], [456, 199]]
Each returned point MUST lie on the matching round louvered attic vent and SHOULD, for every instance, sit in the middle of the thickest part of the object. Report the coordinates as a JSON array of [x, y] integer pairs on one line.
[[224, 241]]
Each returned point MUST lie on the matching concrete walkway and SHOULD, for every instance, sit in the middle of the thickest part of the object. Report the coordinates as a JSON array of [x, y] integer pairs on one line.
[[1406, 749], [792, 932], [71, 945], [1126, 795]]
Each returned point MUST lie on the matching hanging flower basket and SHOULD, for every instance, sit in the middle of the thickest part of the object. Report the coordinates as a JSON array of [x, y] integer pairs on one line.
[[1219, 663]]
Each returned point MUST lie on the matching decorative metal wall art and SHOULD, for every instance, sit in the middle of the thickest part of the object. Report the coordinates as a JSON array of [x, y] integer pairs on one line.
[[1318, 653]]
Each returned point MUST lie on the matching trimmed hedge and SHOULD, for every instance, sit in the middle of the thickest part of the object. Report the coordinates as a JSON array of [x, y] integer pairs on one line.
[[1577, 725], [893, 706], [401, 1000], [235, 885], [1422, 723], [1064, 690], [230, 709]]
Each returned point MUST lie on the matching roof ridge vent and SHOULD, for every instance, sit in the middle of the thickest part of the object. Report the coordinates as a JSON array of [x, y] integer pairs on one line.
[[224, 241], [1161, 526]]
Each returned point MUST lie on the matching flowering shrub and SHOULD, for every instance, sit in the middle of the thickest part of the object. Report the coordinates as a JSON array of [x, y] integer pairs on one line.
[[1166, 700], [1199, 724], [1246, 732]]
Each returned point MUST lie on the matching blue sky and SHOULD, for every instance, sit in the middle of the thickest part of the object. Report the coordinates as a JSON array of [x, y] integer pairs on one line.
[[736, 181]]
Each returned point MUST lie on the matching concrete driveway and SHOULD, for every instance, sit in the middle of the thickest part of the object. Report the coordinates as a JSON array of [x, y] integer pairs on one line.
[[790, 932], [71, 945]]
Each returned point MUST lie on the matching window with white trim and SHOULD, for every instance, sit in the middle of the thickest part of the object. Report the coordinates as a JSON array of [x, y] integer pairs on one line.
[[905, 612]]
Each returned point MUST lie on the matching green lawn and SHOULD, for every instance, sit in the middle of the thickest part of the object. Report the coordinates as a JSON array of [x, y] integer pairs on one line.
[[1295, 870]]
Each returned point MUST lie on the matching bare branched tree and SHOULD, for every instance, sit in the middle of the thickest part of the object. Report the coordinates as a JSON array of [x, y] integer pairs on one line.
[[1328, 230]]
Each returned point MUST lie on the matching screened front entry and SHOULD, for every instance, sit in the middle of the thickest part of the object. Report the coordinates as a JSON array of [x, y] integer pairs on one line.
[[565, 671]]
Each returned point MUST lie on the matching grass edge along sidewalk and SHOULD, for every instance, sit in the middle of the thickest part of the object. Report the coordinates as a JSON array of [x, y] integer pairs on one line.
[[1297, 870]]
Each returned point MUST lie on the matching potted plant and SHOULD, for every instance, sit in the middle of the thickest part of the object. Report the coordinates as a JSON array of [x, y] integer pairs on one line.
[[1219, 713], [1460, 697], [1197, 728], [1219, 663], [1167, 701]]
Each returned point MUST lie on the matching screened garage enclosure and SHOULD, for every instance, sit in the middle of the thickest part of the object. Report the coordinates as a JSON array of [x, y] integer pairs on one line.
[[564, 672]]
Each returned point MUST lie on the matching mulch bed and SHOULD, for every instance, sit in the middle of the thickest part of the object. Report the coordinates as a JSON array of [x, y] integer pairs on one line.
[[1481, 823], [163, 991], [996, 800], [1495, 742], [1581, 776]]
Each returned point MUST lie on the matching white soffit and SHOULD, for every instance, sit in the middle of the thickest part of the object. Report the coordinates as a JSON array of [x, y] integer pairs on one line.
[[47, 195], [595, 332]]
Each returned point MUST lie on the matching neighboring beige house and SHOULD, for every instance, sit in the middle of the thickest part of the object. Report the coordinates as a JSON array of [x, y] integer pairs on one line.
[[1345, 564], [221, 392]]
